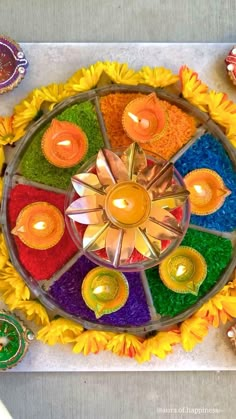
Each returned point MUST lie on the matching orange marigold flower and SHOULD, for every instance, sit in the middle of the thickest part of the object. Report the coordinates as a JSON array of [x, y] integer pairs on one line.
[[126, 345], [193, 331], [219, 309], [92, 341], [192, 88]]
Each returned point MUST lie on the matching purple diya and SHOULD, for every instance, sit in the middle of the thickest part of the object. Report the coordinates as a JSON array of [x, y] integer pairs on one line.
[[13, 64]]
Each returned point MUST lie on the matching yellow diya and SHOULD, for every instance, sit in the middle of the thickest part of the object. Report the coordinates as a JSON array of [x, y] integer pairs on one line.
[[105, 290], [39, 225], [64, 144], [207, 191], [184, 270], [144, 119]]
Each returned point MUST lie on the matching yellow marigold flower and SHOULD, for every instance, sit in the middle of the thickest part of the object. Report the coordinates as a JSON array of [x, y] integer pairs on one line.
[[85, 79], [4, 256], [192, 88], [53, 93], [220, 108], [160, 345], [6, 130], [219, 309], [60, 331], [125, 344], [92, 341], [34, 311], [13, 286], [193, 331], [27, 110], [157, 76], [121, 73]]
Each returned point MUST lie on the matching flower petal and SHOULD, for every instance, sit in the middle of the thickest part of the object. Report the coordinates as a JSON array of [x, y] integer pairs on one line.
[[134, 159], [87, 210], [95, 237], [158, 179], [172, 198], [149, 173], [86, 184], [147, 245], [110, 168], [162, 225], [119, 245]]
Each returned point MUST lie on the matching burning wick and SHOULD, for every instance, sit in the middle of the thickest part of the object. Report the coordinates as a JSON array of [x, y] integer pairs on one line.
[[100, 289], [180, 270], [41, 225], [65, 143], [122, 203], [3, 342], [143, 122]]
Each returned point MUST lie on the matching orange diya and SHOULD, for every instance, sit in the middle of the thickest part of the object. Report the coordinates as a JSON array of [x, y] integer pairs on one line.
[[144, 119], [39, 225], [64, 144], [207, 191]]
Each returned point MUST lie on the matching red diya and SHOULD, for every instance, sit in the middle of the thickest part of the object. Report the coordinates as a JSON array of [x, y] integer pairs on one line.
[[231, 64], [144, 120], [64, 144], [39, 225], [13, 64]]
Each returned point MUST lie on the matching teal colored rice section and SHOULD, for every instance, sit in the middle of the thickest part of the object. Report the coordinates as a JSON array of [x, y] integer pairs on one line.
[[217, 252], [35, 167]]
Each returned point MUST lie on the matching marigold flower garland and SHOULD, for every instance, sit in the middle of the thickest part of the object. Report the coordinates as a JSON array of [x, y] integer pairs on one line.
[[14, 292]]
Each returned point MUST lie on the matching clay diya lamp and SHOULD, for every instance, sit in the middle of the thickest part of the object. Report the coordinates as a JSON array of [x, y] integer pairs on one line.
[[39, 225], [105, 290], [184, 270], [13, 64], [231, 65], [14, 340], [64, 144], [144, 120], [207, 191]]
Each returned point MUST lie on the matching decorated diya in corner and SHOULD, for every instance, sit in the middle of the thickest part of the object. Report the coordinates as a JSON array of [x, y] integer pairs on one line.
[[64, 144], [14, 340], [105, 290], [207, 191], [39, 225], [127, 207], [144, 120], [231, 64], [13, 64], [184, 270]]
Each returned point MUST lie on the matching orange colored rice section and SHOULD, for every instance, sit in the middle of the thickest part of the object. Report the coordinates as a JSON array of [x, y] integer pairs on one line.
[[180, 130]]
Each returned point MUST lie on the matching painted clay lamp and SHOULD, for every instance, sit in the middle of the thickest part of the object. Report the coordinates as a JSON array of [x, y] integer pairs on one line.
[[184, 270], [105, 290], [207, 191], [64, 144], [13, 64], [144, 120], [126, 205], [14, 340], [39, 225]]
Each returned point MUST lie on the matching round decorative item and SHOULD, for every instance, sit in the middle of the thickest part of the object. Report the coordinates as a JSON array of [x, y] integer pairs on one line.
[[64, 144], [184, 270], [231, 64], [14, 340], [39, 225], [13, 64], [105, 290]]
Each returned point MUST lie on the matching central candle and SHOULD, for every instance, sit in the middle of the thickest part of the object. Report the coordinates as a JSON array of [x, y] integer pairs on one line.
[[128, 205]]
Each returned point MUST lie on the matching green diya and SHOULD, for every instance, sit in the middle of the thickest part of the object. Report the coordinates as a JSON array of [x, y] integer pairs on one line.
[[14, 340], [105, 290], [184, 270]]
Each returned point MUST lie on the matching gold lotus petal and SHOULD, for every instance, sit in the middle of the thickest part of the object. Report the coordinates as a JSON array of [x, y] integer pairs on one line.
[[161, 181], [134, 159], [119, 245], [95, 237], [147, 245], [171, 199], [110, 168], [162, 225], [86, 184], [87, 210], [149, 173]]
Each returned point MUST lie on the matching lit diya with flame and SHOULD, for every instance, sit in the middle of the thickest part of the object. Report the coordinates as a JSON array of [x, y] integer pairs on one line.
[[207, 191], [105, 290], [39, 225], [184, 270], [144, 119], [126, 205], [64, 144]]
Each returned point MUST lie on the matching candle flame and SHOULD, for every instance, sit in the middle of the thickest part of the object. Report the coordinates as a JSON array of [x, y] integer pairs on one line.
[[143, 122], [100, 289], [120, 203], [198, 188], [133, 117], [65, 143], [41, 225], [180, 270], [3, 341]]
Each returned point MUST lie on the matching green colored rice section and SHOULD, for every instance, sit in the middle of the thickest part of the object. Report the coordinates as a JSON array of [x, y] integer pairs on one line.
[[35, 167], [217, 252]]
